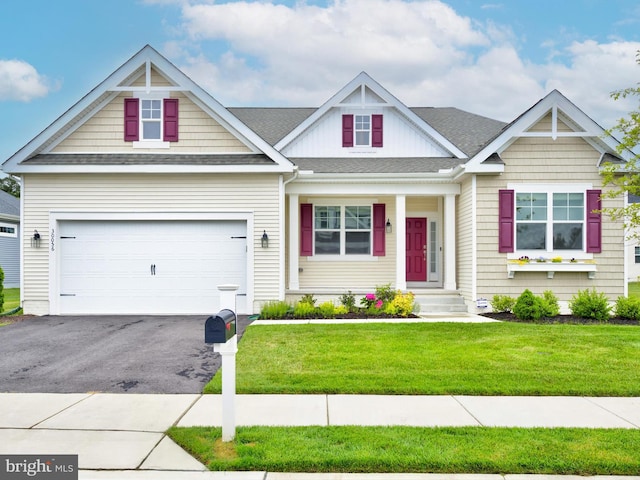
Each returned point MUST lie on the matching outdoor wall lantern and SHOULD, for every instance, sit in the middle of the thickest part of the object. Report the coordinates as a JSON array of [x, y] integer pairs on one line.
[[388, 226], [265, 240], [35, 240]]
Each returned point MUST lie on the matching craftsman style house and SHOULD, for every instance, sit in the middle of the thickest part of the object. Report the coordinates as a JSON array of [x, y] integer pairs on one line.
[[148, 193]]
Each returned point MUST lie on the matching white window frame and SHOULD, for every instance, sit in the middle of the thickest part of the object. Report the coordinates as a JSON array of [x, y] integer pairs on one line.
[[151, 142], [13, 234], [357, 130], [550, 189], [343, 256]]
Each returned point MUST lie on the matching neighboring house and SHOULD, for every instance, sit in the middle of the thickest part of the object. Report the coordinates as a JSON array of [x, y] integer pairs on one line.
[[633, 250], [9, 239], [148, 193]]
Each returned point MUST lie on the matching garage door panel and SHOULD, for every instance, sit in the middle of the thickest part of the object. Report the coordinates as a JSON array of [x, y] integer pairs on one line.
[[151, 267]]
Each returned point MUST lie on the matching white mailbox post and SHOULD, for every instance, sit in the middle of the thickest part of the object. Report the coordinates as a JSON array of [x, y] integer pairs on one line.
[[228, 352]]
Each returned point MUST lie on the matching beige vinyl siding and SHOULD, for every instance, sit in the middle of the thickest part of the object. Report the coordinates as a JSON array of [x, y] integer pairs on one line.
[[545, 125], [169, 193], [351, 275], [104, 132], [542, 160], [464, 241], [420, 205]]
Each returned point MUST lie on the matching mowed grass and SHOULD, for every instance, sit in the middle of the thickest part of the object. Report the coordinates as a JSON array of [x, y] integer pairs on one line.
[[11, 299], [410, 449], [439, 359]]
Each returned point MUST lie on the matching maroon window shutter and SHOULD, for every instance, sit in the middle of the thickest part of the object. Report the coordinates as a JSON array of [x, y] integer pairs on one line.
[[131, 119], [379, 247], [506, 220], [376, 130], [170, 120], [594, 222], [306, 230], [347, 130]]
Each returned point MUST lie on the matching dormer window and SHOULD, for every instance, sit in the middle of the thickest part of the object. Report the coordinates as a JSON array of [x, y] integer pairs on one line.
[[150, 121], [151, 116], [362, 130]]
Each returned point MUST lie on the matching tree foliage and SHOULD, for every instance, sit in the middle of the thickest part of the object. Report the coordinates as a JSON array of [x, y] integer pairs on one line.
[[625, 178], [10, 185]]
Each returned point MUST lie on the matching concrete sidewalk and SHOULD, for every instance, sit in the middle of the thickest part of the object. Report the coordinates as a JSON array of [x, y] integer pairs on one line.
[[121, 436]]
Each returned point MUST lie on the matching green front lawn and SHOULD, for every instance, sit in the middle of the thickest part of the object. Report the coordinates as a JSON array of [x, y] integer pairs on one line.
[[410, 449], [439, 359], [11, 299], [430, 358]]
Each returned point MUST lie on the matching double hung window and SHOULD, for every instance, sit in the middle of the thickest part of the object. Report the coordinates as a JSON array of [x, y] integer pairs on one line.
[[363, 130], [550, 221], [342, 230], [151, 118]]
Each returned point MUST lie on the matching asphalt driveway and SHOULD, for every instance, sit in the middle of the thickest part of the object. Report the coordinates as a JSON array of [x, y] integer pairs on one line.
[[115, 354]]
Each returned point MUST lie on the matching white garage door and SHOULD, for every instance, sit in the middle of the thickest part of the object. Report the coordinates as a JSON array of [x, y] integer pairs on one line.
[[150, 267]]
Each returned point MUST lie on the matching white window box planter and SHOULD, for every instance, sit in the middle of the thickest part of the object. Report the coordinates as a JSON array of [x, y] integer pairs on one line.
[[551, 268]]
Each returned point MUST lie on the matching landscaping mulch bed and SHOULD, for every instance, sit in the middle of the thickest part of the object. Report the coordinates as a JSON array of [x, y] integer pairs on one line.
[[561, 319]]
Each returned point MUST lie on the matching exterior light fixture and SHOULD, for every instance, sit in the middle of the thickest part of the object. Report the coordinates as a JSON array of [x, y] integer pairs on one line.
[[35, 240], [264, 241], [388, 226]]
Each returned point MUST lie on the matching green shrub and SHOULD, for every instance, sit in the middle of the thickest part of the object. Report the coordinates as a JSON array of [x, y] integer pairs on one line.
[[385, 293], [502, 303], [528, 306], [327, 309], [402, 304], [590, 304], [304, 309], [348, 300], [308, 298], [550, 307], [275, 309], [341, 310], [627, 307]]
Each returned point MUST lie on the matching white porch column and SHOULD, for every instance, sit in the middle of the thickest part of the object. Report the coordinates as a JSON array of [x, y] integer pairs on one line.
[[400, 228], [294, 241], [449, 242]]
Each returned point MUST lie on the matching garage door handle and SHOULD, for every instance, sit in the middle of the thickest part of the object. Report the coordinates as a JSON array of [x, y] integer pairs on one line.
[[153, 269]]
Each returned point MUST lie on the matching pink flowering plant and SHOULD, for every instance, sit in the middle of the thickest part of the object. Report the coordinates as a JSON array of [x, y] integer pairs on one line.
[[378, 301]]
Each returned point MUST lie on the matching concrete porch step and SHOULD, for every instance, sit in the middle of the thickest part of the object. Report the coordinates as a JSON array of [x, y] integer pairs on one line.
[[435, 303]]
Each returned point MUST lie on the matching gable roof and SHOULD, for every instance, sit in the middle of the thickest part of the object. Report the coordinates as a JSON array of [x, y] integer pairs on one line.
[[467, 131], [120, 80], [361, 82], [561, 109]]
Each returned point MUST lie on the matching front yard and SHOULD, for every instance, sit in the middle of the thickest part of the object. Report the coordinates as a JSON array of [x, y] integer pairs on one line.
[[428, 358], [439, 359]]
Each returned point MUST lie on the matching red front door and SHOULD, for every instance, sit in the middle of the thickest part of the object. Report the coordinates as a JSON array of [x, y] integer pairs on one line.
[[416, 249]]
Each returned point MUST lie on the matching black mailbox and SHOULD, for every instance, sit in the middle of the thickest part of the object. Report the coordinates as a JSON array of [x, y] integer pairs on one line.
[[220, 328]]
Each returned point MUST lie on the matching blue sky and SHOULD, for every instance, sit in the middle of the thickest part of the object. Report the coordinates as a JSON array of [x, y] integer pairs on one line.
[[495, 57]]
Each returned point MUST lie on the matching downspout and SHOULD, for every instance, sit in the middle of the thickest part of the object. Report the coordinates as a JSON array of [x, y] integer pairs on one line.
[[283, 184]]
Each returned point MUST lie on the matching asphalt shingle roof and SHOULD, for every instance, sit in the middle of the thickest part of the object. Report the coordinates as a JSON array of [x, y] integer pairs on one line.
[[376, 165], [467, 131], [147, 159], [9, 205]]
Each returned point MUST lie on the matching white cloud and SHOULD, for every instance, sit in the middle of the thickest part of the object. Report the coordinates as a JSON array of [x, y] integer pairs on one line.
[[592, 72], [20, 81], [423, 52]]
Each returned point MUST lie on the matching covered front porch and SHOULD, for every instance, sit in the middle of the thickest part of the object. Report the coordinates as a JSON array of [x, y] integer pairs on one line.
[[342, 237]]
